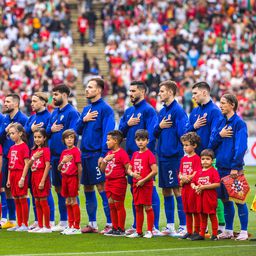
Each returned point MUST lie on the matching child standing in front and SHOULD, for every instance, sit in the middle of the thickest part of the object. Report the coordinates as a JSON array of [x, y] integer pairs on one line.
[[114, 165], [190, 164], [17, 175], [205, 184], [143, 168], [71, 170], [40, 180]]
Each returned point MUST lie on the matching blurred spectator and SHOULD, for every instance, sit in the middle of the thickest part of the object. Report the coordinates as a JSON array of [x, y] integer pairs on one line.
[[92, 19], [82, 25]]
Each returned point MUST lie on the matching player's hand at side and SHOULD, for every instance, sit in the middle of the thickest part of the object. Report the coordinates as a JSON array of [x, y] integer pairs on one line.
[[133, 120], [8, 184], [136, 175], [140, 183], [234, 174], [56, 127], [38, 154], [67, 158], [21, 183], [109, 157], [200, 121], [35, 126], [165, 123], [226, 132], [90, 116], [100, 160], [41, 185]]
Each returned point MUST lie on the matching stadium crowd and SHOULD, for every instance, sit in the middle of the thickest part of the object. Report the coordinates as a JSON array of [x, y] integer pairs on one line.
[[187, 41], [35, 48]]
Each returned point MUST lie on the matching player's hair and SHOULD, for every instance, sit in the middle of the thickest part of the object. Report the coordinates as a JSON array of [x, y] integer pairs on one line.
[[42, 131], [140, 84], [62, 88], [42, 96], [170, 85], [192, 138], [14, 96], [19, 128], [231, 99], [202, 86], [208, 152], [117, 135], [141, 134], [99, 82], [67, 133]]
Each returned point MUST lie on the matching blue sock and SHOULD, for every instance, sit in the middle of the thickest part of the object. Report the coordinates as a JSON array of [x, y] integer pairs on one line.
[[181, 214], [52, 206], [4, 205], [156, 207], [229, 214], [169, 208], [91, 205], [11, 208], [133, 211], [243, 215], [105, 206], [62, 207], [34, 207]]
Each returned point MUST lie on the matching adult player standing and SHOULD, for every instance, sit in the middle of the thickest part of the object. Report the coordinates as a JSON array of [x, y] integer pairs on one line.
[[13, 115], [96, 120], [140, 116], [171, 126], [62, 118]]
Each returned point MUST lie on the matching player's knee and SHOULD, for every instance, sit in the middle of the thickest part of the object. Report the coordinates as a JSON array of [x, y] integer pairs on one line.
[[57, 189], [176, 192], [100, 187], [147, 207], [110, 201], [167, 192], [89, 188]]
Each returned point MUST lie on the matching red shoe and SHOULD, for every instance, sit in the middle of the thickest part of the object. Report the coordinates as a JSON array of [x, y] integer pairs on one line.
[[89, 229]]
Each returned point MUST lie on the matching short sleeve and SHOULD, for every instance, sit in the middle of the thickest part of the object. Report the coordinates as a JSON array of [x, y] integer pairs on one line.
[[47, 155], [77, 156], [152, 158]]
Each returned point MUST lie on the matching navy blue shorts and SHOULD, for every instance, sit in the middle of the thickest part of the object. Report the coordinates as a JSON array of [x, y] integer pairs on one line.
[[91, 174], [168, 172], [222, 191], [4, 171], [55, 173]]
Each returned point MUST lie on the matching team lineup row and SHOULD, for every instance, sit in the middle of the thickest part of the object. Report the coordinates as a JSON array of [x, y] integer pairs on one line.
[[218, 129]]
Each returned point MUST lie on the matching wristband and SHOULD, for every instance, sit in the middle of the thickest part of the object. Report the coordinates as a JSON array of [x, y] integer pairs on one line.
[[32, 158], [22, 178], [105, 161]]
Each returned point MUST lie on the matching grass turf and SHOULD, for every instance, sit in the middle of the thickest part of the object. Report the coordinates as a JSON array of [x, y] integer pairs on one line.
[[14, 243]]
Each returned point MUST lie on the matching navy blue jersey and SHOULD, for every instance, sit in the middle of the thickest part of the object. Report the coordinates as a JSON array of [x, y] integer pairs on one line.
[[213, 117], [94, 133], [66, 116], [5, 140], [230, 152], [169, 144], [39, 117], [148, 120]]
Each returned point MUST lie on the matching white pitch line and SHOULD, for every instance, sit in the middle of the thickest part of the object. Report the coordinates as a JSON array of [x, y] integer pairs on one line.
[[133, 251]]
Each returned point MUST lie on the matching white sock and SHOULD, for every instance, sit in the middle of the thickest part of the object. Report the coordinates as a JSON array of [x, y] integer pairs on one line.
[[229, 231], [52, 223], [183, 227], [170, 225], [93, 224], [244, 232], [109, 224], [63, 223], [3, 220], [221, 228]]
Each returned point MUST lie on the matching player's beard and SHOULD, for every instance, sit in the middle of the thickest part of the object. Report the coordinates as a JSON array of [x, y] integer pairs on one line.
[[134, 100], [8, 110], [58, 102]]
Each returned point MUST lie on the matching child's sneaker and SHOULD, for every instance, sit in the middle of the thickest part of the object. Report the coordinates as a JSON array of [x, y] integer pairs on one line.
[[134, 235], [65, 231], [197, 237], [58, 228], [110, 232], [156, 232], [23, 228], [130, 231], [168, 231], [243, 235], [44, 230], [106, 229], [148, 234], [119, 232], [226, 235], [33, 226], [35, 230], [73, 231], [13, 228], [186, 236], [89, 229], [180, 232]]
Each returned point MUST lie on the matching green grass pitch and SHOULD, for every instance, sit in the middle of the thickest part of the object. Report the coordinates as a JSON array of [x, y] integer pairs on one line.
[[12, 243]]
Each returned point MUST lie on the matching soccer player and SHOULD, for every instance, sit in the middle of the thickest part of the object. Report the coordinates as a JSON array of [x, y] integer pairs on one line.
[[140, 116], [205, 183], [71, 170], [39, 120], [203, 120], [143, 168], [13, 115], [171, 126], [230, 144], [62, 118], [189, 165], [96, 120], [115, 164]]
